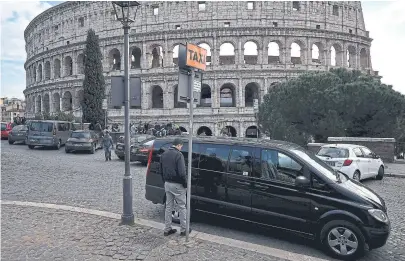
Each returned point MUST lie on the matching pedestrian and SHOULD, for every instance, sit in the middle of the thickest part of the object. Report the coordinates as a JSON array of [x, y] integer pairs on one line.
[[175, 178], [107, 145]]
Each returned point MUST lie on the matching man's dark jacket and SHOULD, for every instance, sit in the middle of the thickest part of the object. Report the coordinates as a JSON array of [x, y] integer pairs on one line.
[[173, 166]]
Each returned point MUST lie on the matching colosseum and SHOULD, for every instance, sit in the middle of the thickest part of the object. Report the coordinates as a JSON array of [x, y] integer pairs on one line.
[[251, 46]]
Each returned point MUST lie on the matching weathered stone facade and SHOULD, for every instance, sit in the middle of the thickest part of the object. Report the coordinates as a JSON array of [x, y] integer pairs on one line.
[[55, 40]]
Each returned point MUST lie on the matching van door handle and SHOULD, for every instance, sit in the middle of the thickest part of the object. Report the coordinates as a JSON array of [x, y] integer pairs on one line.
[[243, 182], [261, 186]]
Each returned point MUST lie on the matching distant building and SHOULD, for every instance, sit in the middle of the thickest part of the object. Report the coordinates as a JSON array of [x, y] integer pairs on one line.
[[11, 108]]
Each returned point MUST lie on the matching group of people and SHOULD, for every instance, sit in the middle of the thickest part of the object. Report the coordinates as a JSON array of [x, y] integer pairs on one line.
[[157, 129]]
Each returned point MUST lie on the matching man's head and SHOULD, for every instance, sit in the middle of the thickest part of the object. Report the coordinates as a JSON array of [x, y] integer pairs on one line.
[[178, 143]]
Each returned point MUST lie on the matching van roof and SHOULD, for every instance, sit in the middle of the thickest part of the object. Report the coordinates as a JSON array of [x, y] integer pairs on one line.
[[235, 140], [48, 121]]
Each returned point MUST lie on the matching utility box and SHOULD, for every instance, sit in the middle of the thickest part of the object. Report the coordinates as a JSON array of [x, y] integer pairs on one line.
[[118, 92]]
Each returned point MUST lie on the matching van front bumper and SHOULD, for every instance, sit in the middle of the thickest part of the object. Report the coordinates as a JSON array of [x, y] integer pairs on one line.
[[377, 236], [41, 142]]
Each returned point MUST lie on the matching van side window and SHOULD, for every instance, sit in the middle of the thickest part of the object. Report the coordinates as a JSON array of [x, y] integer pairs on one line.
[[241, 160], [214, 157], [61, 126], [278, 166], [196, 154]]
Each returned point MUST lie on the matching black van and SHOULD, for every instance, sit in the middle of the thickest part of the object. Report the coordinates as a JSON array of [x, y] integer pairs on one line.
[[278, 184]]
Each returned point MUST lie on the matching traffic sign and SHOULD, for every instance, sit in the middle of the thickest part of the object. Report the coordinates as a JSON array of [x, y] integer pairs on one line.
[[192, 56], [197, 85], [104, 104]]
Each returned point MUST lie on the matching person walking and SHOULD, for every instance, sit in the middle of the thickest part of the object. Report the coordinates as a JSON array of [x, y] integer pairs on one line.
[[107, 145], [175, 178]]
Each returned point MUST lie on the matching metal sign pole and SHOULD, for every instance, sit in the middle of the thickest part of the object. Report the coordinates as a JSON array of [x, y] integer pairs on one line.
[[190, 154]]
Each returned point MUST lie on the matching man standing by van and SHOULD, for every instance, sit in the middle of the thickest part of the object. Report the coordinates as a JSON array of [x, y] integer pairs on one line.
[[108, 144], [175, 177]]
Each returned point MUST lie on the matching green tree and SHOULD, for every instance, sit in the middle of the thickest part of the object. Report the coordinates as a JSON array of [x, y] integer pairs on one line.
[[93, 84], [335, 103]]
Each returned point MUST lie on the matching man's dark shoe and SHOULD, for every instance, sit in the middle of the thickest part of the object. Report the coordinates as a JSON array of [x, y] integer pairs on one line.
[[184, 232], [170, 232]]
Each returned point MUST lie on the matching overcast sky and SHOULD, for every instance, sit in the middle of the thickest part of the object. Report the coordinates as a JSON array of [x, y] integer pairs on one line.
[[384, 19]]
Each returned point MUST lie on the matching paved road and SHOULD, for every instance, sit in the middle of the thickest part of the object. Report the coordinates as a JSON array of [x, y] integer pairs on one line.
[[88, 181]]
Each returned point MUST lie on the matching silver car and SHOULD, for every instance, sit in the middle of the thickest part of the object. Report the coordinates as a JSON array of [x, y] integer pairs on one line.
[[18, 134]]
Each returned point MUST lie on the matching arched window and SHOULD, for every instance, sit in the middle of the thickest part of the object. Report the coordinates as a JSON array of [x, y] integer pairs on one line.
[[157, 57], [67, 101], [115, 59], [226, 54], [315, 54], [80, 63], [251, 93], [56, 69], [46, 103], [208, 48], [157, 97], [56, 102], [136, 55], [205, 99], [68, 66], [176, 55], [204, 131], [40, 72], [364, 59], [274, 53], [227, 96], [250, 53], [296, 57], [351, 56], [47, 70]]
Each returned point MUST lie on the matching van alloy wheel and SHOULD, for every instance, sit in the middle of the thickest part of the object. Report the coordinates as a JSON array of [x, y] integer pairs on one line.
[[356, 175], [343, 241], [58, 145], [380, 173]]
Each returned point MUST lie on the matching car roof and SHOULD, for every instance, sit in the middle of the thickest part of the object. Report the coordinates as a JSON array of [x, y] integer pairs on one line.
[[345, 146], [237, 141]]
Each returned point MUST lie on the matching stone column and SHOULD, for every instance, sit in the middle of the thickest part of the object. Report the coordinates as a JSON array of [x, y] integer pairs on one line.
[[239, 53], [50, 102], [240, 101], [326, 59], [215, 95], [61, 101], [285, 55], [42, 102], [241, 130], [217, 56], [214, 52], [144, 95]]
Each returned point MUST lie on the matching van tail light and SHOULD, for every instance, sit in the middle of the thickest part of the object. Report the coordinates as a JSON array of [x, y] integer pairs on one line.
[[347, 162], [149, 160]]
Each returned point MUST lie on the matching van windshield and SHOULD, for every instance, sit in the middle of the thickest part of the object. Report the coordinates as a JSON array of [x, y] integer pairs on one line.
[[317, 163], [41, 126]]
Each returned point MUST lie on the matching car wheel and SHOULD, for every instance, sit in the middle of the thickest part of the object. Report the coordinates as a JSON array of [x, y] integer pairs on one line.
[[356, 175], [342, 239], [66, 150], [10, 142], [380, 174], [58, 145], [93, 149], [31, 146]]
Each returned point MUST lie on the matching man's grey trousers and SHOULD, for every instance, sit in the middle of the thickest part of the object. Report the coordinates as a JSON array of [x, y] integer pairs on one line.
[[175, 192]]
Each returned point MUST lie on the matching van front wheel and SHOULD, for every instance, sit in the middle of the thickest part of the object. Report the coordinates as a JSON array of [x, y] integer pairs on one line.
[[342, 239], [58, 145]]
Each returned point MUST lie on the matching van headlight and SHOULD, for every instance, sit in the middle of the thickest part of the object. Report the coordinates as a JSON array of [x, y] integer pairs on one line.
[[378, 215]]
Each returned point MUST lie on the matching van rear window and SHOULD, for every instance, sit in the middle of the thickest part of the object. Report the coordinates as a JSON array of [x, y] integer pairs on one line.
[[3, 126], [41, 126]]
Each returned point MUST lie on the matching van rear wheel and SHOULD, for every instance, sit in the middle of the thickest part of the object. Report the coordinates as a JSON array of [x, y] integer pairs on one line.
[[31, 147], [58, 145], [342, 239]]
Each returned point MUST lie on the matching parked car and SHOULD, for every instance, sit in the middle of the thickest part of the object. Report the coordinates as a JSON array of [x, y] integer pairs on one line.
[[5, 129], [247, 180], [357, 162], [136, 141], [48, 133], [141, 152], [17, 134], [82, 140]]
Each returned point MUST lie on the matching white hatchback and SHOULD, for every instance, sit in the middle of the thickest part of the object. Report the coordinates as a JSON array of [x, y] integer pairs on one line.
[[357, 162]]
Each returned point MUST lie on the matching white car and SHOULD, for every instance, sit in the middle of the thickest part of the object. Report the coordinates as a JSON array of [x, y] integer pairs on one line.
[[357, 162]]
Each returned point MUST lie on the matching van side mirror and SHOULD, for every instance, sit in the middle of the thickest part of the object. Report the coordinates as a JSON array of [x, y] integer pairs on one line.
[[302, 182]]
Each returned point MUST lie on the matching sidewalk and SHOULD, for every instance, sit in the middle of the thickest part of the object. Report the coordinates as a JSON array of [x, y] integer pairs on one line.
[[32, 233], [395, 170]]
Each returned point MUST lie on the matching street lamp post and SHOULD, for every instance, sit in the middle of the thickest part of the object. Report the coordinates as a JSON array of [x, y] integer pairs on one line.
[[124, 10]]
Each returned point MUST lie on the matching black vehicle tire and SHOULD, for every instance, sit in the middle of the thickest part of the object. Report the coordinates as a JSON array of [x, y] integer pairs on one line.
[[93, 148], [339, 235], [10, 142], [66, 150], [31, 146], [57, 147], [380, 175], [357, 175]]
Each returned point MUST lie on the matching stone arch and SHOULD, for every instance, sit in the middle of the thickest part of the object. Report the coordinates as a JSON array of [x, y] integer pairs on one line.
[[208, 48], [182, 129], [297, 52], [40, 72], [204, 130], [251, 132], [317, 51], [47, 70], [229, 130], [226, 54], [157, 57], [136, 56], [38, 104], [250, 52], [336, 55], [273, 52], [46, 102], [80, 63], [227, 95], [176, 55], [67, 101], [56, 68], [79, 98], [364, 64], [157, 97], [114, 59], [68, 63], [178, 104], [205, 96], [56, 102], [252, 91], [351, 56]]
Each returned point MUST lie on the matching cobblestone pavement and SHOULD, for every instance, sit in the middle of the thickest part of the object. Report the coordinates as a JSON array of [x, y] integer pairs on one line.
[[30, 233], [86, 180], [395, 168]]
